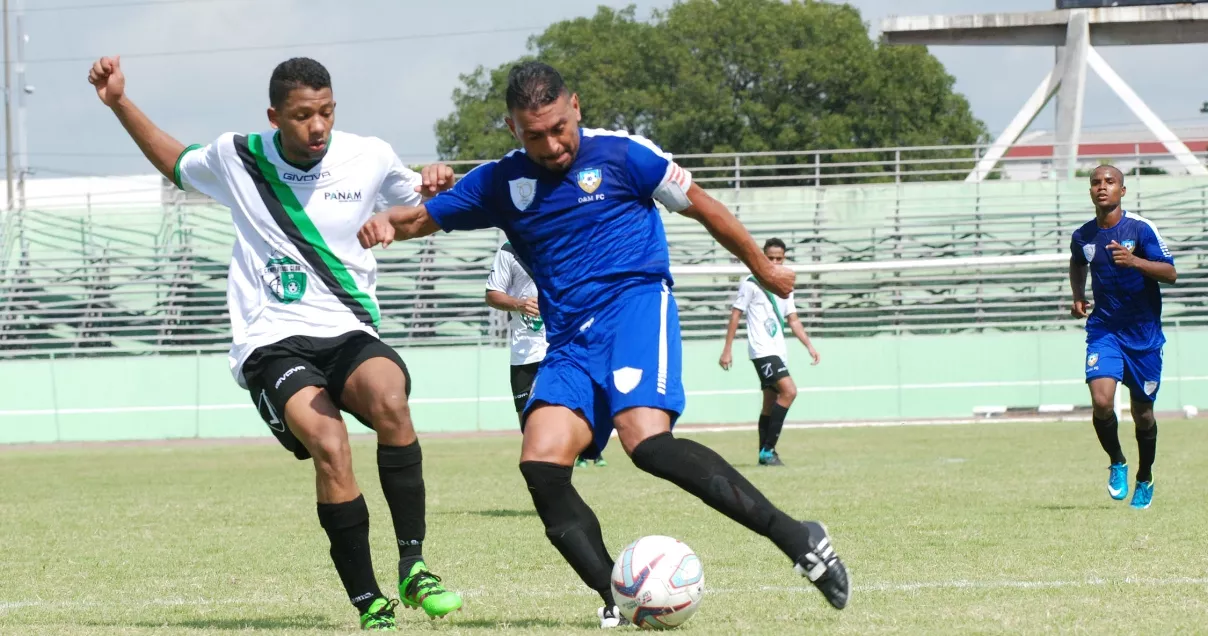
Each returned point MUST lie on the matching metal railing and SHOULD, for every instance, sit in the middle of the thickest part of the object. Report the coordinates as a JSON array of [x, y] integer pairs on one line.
[[155, 283], [906, 164], [113, 279]]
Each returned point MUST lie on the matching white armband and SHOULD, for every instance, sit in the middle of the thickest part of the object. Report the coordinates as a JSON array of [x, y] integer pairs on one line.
[[673, 191]]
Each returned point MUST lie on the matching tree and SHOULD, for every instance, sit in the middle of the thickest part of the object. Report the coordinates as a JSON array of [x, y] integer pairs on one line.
[[712, 76]]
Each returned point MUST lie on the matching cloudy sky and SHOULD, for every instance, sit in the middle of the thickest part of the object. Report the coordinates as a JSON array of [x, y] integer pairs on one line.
[[201, 67]]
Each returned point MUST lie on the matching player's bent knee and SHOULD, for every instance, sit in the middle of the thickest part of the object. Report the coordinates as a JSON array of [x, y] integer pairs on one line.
[[787, 391], [389, 411], [636, 425], [554, 434], [331, 450]]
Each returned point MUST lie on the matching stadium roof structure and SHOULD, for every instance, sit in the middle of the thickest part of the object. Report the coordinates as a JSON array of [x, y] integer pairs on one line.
[[1075, 32]]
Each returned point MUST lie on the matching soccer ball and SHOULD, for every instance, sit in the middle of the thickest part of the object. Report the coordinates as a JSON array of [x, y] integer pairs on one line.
[[657, 582]]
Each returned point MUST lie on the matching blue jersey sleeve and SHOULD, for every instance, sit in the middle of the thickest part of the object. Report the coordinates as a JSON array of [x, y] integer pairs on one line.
[[1153, 248], [466, 206], [1076, 249], [648, 166]]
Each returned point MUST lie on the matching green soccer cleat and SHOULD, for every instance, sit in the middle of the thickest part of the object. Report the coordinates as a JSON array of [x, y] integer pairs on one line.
[[581, 463], [380, 616], [422, 589], [600, 462]]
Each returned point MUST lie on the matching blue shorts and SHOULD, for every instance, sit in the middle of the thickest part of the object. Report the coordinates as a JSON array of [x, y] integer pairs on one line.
[[1140, 371], [626, 355]]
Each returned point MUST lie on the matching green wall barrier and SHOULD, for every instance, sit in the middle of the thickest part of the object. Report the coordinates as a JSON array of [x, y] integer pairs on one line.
[[466, 388]]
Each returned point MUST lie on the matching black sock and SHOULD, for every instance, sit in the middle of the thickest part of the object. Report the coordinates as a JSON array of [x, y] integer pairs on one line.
[[401, 471], [1147, 445], [570, 525], [1109, 439], [704, 473], [775, 425], [763, 431], [347, 526]]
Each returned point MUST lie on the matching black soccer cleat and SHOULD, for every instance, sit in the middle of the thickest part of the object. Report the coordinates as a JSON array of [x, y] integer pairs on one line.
[[823, 568]]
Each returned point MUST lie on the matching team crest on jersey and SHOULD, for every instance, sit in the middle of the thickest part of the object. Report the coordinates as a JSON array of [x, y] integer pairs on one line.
[[285, 277], [523, 192], [534, 324], [1092, 359], [590, 180], [1088, 251], [1129, 245], [771, 326]]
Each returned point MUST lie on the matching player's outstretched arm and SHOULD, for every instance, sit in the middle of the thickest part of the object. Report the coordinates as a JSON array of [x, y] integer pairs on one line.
[[727, 358], [158, 146], [733, 236], [1078, 286], [397, 224]]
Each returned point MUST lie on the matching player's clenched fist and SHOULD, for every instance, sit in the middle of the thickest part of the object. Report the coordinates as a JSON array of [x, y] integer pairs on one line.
[[377, 229], [107, 77], [436, 179], [779, 280], [1080, 309]]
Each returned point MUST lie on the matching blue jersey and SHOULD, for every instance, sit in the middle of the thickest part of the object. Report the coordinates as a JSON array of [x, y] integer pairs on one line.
[[589, 234], [1127, 303]]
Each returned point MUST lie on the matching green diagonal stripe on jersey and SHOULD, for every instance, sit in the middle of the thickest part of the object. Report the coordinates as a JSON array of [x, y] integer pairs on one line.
[[771, 299], [285, 208]]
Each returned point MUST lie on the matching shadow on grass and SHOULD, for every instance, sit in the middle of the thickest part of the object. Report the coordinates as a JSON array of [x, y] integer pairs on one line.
[[242, 624], [1064, 507], [523, 623], [495, 513]]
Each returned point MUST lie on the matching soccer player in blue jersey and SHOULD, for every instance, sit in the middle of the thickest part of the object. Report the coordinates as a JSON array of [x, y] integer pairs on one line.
[[578, 206], [1124, 332]]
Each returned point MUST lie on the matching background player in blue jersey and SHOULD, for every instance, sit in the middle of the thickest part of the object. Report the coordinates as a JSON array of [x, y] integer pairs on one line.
[[1127, 258], [578, 206]]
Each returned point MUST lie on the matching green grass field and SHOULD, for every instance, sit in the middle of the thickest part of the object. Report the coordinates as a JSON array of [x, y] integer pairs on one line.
[[946, 529]]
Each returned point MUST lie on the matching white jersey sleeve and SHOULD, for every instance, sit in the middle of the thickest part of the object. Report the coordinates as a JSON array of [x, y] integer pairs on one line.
[[790, 305], [398, 186], [743, 301], [201, 169], [500, 279]]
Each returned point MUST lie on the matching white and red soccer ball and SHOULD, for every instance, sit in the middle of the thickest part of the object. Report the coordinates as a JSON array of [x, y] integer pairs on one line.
[[657, 582]]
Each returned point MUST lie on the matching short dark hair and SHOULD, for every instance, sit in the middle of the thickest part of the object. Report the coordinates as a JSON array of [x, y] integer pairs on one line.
[[775, 242], [1119, 173], [532, 85], [294, 73]]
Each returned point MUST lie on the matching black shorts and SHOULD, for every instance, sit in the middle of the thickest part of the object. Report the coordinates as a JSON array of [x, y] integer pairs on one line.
[[770, 370], [274, 373], [522, 383]]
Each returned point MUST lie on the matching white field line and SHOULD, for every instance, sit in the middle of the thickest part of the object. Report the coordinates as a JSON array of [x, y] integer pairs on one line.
[[470, 400]]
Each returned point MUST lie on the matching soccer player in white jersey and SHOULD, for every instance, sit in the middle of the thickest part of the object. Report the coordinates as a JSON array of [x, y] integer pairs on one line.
[[510, 288], [304, 315], [767, 318]]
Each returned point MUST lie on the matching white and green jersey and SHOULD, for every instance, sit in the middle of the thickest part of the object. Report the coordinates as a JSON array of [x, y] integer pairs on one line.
[[511, 276], [767, 318], [297, 268]]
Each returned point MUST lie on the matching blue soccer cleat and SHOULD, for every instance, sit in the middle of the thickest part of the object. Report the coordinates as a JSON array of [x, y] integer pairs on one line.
[[1117, 481], [769, 457], [1143, 495]]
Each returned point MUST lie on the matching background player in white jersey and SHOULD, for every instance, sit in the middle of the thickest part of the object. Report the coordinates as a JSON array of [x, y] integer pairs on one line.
[[767, 318], [303, 309], [510, 288]]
